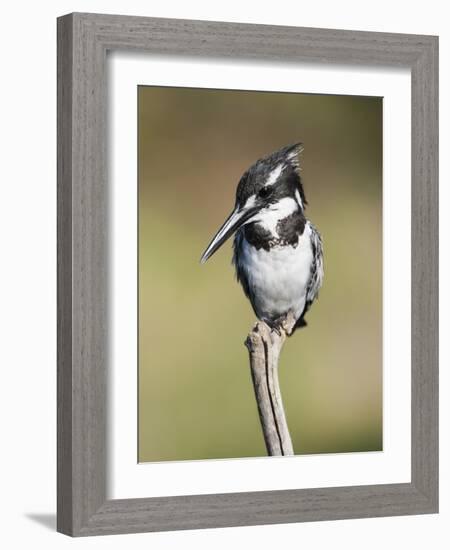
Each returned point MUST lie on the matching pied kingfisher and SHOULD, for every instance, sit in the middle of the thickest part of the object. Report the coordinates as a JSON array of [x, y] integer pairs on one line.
[[277, 251]]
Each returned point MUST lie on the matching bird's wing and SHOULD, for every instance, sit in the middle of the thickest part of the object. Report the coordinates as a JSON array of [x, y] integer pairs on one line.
[[316, 277], [240, 272]]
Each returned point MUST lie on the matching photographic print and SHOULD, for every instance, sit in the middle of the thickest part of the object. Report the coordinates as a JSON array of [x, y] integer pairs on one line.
[[260, 214]]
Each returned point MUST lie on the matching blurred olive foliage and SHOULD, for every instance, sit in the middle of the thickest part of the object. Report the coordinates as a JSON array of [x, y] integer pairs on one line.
[[195, 393]]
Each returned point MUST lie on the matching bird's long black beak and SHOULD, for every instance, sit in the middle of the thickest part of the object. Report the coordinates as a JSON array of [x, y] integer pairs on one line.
[[234, 221]]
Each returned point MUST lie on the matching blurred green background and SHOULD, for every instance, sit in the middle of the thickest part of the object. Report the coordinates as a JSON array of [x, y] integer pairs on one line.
[[196, 398]]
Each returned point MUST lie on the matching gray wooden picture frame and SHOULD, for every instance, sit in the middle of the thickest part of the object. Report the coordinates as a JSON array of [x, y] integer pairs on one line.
[[83, 41]]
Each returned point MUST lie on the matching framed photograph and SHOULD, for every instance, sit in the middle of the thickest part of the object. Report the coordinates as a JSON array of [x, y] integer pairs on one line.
[[226, 184]]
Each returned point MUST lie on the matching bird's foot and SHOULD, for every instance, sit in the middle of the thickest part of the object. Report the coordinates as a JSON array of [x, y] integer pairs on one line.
[[289, 323], [276, 328], [285, 323]]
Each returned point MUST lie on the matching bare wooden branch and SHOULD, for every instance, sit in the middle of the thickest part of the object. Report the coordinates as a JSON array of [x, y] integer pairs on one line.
[[264, 346]]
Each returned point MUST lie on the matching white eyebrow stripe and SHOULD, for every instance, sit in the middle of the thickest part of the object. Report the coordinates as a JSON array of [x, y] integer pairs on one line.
[[297, 196], [274, 175], [250, 201]]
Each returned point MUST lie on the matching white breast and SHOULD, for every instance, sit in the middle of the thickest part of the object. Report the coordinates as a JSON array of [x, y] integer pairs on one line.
[[278, 278]]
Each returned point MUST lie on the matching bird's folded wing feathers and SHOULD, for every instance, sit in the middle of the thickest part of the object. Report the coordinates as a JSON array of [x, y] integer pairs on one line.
[[315, 281]]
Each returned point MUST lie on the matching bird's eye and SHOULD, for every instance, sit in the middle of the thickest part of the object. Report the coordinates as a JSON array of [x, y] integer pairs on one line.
[[265, 192]]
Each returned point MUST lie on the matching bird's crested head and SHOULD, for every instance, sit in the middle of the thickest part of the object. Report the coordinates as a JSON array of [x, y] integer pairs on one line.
[[271, 187], [271, 179]]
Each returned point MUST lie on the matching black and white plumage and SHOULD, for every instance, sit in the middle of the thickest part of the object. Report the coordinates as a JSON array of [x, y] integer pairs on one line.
[[278, 252]]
